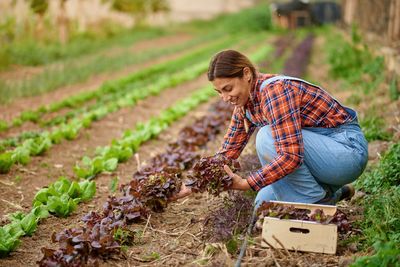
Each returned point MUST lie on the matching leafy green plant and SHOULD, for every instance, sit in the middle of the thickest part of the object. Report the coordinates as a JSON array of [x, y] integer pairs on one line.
[[8, 242], [89, 168], [387, 254], [6, 162], [3, 126], [30, 116], [20, 225], [62, 196]]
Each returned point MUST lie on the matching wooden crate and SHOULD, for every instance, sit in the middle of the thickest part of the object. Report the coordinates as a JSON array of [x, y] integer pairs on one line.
[[301, 235]]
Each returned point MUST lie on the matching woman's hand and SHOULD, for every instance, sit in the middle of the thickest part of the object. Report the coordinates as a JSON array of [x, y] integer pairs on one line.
[[185, 191], [238, 182]]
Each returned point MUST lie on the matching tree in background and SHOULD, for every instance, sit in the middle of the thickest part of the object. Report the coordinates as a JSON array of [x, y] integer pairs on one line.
[[39, 7], [63, 23], [139, 9]]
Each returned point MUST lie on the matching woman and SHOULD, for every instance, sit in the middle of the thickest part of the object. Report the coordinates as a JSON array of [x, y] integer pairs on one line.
[[310, 146]]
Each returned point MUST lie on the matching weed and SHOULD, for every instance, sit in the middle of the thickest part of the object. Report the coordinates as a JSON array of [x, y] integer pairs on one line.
[[152, 256], [18, 178], [44, 165], [393, 90], [114, 184], [124, 237], [232, 245]]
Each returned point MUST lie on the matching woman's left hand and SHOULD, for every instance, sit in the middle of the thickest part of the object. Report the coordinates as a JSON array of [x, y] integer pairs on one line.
[[238, 182]]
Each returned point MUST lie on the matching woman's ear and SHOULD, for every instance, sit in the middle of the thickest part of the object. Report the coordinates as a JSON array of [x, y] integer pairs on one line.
[[247, 74]]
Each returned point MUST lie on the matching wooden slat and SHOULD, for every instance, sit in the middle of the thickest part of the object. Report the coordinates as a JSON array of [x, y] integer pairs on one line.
[[318, 237]]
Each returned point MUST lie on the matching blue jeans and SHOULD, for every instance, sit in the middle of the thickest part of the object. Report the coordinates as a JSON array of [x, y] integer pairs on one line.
[[333, 157]]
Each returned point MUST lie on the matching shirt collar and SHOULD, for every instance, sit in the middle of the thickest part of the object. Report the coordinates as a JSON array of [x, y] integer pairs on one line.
[[253, 90]]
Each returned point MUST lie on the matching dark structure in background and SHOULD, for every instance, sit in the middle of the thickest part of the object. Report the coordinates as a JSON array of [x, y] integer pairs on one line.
[[298, 13]]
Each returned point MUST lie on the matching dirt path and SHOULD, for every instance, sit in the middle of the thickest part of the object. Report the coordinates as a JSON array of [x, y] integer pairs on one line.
[[11, 110]]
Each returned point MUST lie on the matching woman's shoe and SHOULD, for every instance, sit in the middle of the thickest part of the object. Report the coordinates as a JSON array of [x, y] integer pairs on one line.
[[346, 192]]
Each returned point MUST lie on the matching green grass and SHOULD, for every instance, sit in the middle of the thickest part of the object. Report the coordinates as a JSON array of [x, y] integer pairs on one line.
[[381, 224]]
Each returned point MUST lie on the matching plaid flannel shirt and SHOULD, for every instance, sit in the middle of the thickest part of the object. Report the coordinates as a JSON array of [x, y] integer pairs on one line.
[[287, 106]]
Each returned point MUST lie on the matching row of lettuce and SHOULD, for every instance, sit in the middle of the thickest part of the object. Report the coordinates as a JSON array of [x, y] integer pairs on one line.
[[354, 63], [62, 197], [119, 94]]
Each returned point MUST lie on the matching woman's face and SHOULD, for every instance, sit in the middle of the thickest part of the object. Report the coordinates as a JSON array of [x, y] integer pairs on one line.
[[234, 90]]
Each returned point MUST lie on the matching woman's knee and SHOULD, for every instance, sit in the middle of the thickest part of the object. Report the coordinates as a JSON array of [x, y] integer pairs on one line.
[[266, 194]]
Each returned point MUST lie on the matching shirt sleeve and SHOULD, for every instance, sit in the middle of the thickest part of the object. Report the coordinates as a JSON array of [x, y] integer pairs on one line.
[[281, 106], [236, 137]]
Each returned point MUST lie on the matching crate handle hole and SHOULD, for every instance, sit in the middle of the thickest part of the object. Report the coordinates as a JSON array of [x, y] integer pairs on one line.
[[299, 230]]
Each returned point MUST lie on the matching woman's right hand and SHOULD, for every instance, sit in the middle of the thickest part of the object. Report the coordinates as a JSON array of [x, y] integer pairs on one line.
[[184, 192]]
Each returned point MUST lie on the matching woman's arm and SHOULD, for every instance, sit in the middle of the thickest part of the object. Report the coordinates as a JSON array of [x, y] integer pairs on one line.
[[236, 136]]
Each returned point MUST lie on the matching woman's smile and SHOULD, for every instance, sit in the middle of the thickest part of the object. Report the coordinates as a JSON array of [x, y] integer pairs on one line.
[[234, 100]]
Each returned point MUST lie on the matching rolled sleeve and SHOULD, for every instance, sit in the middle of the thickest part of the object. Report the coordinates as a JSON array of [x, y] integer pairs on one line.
[[236, 137]]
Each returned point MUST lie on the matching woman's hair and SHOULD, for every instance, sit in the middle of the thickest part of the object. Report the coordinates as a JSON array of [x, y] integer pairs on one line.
[[229, 64]]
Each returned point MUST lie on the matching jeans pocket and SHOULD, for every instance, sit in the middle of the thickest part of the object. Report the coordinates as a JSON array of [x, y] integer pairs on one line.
[[356, 140]]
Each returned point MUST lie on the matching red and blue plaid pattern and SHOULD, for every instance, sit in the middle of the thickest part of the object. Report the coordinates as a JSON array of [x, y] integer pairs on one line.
[[287, 106]]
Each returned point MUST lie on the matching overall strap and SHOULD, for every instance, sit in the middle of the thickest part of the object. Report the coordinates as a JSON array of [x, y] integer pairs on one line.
[[283, 77]]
